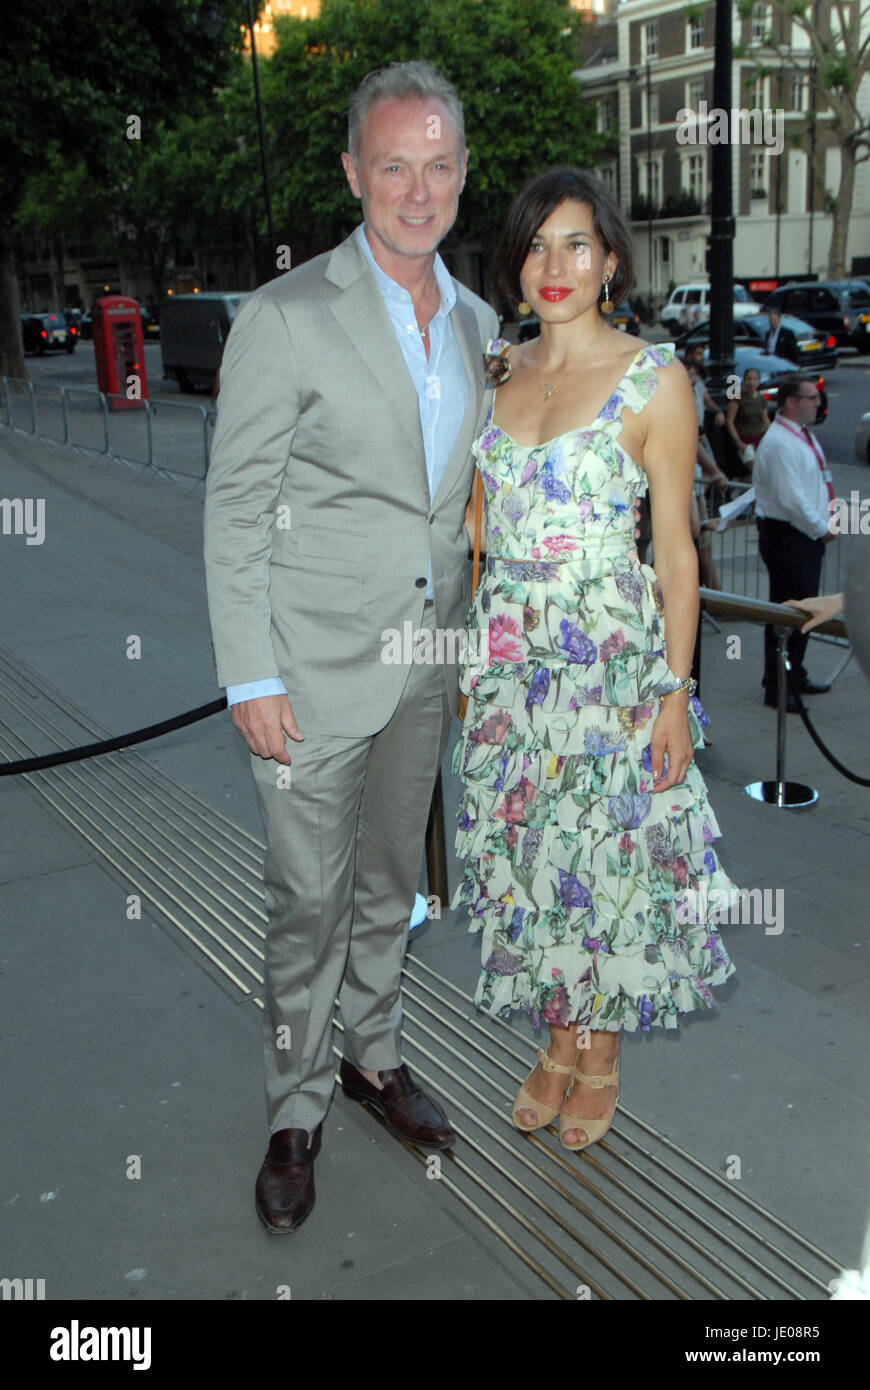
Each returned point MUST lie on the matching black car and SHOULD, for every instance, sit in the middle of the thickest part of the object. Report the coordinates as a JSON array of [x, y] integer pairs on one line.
[[623, 317], [837, 307], [815, 350], [772, 370], [46, 333], [150, 324]]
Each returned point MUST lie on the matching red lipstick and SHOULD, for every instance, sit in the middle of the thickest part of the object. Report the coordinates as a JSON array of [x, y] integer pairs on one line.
[[555, 292]]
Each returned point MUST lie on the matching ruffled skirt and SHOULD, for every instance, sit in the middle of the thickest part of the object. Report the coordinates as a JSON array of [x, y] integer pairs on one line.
[[589, 888]]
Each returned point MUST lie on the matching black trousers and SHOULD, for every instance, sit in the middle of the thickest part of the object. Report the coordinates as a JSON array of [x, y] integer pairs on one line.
[[794, 564]]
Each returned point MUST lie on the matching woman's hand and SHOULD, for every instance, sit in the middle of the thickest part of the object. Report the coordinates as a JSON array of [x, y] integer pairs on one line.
[[671, 736]]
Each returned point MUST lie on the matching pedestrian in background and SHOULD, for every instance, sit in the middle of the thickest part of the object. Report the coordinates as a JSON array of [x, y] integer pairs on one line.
[[779, 340], [793, 493], [746, 419]]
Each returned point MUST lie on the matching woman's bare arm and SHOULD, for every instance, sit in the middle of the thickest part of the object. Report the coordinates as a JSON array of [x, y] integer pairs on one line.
[[669, 461]]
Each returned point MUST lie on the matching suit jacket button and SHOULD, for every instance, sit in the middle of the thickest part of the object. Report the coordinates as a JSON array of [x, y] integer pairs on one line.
[[420, 583]]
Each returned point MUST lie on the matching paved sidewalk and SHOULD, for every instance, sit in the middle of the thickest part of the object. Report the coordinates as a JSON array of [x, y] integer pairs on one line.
[[123, 1045]]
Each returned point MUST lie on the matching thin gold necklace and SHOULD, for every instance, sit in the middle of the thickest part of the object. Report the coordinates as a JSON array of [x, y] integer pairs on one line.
[[550, 387]]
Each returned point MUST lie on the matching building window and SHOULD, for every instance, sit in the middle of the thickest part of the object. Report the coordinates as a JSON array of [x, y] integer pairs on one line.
[[649, 180], [756, 90], [798, 93], [759, 164], [650, 43], [696, 32], [695, 177], [651, 116], [606, 114], [607, 175], [759, 23], [696, 89]]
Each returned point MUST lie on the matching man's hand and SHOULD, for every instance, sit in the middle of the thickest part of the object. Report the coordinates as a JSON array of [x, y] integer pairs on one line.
[[263, 723], [823, 608]]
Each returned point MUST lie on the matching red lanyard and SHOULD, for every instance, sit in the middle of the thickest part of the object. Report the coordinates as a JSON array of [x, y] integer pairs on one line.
[[805, 434]]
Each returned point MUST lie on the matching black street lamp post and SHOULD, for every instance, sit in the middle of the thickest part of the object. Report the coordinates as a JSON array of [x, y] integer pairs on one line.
[[649, 207], [721, 364], [263, 162], [783, 51]]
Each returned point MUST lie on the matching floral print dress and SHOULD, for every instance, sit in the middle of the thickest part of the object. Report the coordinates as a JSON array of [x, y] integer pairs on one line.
[[587, 887]]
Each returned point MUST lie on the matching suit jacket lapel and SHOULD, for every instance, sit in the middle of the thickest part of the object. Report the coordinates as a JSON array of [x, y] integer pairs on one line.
[[361, 312], [363, 315], [468, 338]]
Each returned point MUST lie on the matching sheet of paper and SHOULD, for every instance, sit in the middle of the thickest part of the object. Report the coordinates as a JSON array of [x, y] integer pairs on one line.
[[729, 510]]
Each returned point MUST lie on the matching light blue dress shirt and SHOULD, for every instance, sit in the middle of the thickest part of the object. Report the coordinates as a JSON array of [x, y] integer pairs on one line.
[[442, 392]]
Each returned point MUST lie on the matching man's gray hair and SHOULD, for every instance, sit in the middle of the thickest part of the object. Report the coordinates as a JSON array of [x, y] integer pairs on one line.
[[417, 80]]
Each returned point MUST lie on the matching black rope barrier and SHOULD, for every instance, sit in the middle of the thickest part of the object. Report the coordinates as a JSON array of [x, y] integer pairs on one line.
[[727, 605], [816, 738], [111, 745]]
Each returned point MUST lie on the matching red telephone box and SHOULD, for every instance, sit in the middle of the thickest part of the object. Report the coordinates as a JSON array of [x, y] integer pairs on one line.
[[119, 349]]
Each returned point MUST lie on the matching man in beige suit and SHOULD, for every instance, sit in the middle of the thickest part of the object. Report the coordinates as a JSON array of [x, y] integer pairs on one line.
[[351, 390]]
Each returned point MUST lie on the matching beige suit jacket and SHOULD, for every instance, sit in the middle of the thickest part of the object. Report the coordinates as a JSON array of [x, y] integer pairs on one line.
[[318, 522]]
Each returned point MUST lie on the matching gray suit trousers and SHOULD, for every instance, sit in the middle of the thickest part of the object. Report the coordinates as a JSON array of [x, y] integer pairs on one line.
[[345, 828]]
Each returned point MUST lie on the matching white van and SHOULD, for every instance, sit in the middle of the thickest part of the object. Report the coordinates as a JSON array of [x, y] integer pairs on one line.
[[689, 304]]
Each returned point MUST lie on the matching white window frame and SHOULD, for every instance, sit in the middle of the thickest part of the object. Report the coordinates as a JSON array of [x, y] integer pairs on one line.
[[695, 33], [759, 23], [798, 88], [759, 174], [608, 176], [695, 92], [654, 94], [650, 29], [606, 113], [694, 160], [657, 171]]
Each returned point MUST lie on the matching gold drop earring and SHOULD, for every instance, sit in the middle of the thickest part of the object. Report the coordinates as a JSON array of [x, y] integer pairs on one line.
[[523, 308], [607, 302]]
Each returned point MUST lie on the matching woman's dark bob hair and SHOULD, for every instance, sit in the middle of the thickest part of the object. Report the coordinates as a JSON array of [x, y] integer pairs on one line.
[[533, 205]]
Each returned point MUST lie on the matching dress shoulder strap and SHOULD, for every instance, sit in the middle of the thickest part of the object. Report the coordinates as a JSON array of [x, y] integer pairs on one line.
[[641, 380]]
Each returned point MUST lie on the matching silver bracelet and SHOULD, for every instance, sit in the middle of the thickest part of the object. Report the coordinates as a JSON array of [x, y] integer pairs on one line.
[[687, 683]]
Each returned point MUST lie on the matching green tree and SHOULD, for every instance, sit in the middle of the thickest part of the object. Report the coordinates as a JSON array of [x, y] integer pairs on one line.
[[839, 41], [72, 73], [510, 60]]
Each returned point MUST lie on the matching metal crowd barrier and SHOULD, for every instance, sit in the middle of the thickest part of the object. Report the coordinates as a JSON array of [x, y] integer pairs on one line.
[[175, 437], [738, 564], [171, 436]]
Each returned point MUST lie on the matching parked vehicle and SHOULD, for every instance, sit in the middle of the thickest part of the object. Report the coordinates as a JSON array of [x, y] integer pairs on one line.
[[74, 322], [193, 331], [772, 370], [150, 325], [690, 304], [46, 333], [752, 331], [862, 439], [623, 317], [837, 307]]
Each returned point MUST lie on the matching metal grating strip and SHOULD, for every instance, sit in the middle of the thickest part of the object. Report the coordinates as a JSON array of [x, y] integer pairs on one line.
[[649, 1233]]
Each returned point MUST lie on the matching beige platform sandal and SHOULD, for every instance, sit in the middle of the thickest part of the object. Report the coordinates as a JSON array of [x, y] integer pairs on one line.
[[525, 1101], [593, 1129]]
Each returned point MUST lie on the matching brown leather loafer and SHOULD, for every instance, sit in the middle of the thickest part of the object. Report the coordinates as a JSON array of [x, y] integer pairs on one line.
[[285, 1183], [408, 1112]]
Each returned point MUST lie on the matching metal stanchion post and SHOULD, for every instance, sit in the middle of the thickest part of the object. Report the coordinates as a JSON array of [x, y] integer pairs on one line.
[[793, 795]]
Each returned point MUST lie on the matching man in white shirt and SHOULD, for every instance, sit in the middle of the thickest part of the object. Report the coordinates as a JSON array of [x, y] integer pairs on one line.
[[793, 492]]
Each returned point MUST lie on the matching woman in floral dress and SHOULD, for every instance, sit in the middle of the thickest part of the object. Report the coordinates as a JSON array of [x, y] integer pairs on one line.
[[585, 827]]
